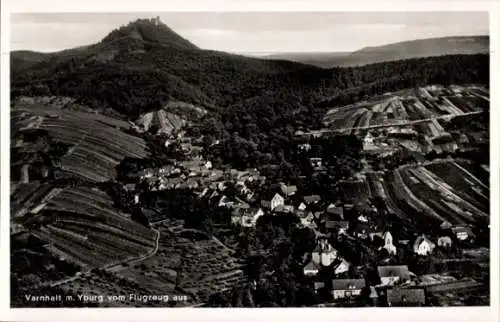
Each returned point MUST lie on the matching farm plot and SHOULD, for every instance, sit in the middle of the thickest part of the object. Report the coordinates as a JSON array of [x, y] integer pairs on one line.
[[342, 117], [395, 202], [407, 107], [26, 196], [464, 183], [82, 225], [97, 143], [354, 190], [376, 186], [443, 193], [195, 267]]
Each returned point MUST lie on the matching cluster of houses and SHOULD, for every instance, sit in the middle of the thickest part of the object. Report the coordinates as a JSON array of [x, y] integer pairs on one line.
[[397, 287], [385, 142], [181, 175], [236, 191]]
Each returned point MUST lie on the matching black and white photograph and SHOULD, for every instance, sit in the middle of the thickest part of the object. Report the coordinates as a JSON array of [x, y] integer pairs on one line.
[[249, 159]]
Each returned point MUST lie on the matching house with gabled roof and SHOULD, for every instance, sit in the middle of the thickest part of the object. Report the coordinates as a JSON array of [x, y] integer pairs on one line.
[[316, 162], [342, 267], [347, 288], [129, 187], [388, 241], [272, 202], [277, 200], [445, 225], [373, 295], [256, 214], [363, 219], [389, 275], [444, 242], [221, 185], [335, 211], [312, 199], [362, 230], [283, 209], [404, 241], [340, 227], [265, 204], [225, 202], [324, 253], [170, 183], [215, 174], [462, 233], [423, 245], [245, 216], [406, 297], [236, 216], [288, 190], [249, 218], [318, 286], [306, 219], [311, 268]]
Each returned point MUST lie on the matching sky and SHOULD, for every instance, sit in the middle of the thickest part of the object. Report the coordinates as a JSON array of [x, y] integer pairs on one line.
[[252, 33]]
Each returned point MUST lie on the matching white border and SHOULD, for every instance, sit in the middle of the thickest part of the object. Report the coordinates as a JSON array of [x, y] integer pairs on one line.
[[365, 314], [246, 5]]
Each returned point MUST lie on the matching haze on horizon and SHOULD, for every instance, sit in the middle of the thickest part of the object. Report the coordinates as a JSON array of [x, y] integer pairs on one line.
[[252, 33]]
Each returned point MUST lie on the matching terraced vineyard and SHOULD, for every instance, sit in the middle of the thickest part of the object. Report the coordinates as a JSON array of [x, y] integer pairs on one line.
[[196, 267], [407, 106], [24, 196], [82, 225], [445, 190], [442, 190], [98, 144]]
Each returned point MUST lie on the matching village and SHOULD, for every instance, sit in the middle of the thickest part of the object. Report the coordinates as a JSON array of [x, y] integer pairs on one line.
[[337, 277]]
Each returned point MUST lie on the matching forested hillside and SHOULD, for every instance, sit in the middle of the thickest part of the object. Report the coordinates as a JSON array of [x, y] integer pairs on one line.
[[256, 103]]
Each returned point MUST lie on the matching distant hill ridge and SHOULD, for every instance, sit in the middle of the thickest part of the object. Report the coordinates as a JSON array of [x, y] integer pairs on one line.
[[456, 45]]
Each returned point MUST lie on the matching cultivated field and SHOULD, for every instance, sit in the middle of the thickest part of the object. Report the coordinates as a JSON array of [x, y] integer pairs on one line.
[[409, 106], [445, 190], [25, 196], [97, 142], [198, 267], [82, 226]]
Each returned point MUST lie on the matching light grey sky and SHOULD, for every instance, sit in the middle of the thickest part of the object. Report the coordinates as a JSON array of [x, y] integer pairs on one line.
[[252, 32]]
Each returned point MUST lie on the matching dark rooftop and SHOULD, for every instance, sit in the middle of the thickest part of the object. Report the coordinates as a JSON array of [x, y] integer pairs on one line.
[[399, 270], [345, 284], [405, 296]]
